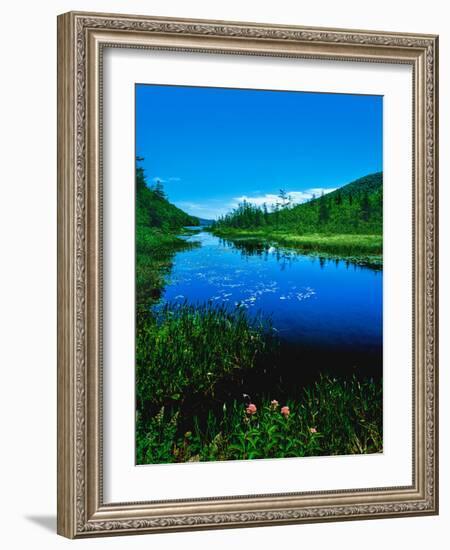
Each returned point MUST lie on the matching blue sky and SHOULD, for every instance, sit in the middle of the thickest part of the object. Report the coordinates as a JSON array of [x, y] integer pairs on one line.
[[213, 147]]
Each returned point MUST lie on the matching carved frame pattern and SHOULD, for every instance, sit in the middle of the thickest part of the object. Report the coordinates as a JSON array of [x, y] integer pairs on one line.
[[81, 37]]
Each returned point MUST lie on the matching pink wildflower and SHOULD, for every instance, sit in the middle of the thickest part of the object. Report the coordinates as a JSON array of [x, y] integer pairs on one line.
[[251, 409], [313, 430], [274, 404], [285, 411]]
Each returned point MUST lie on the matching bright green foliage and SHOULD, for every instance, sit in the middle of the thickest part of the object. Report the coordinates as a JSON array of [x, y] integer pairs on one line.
[[157, 444], [190, 359], [330, 417], [347, 244], [186, 350], [158, 222], [154, 253], [360, 249], [154, 210], [356, 208]]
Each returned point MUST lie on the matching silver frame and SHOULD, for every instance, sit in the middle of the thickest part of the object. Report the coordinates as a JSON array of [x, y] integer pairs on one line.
[[81, 40]]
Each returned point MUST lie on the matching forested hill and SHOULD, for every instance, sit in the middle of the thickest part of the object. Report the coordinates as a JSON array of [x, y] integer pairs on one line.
[[370, 184], [158, 224], [154, 210], [354, 208]]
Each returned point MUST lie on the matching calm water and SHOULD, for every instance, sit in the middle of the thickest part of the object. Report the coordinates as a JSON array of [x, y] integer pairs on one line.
[[327, 306]]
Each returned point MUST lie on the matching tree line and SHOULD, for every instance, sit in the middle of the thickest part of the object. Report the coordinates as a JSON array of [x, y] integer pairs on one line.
[[354, 208]]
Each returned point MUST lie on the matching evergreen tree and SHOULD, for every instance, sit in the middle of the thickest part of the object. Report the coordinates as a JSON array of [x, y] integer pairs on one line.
[[153, 210], [265, 214], [324, 212], [140, 176], [285, 199], [365, 207], [354, 208], [159, 190], [276, 211]]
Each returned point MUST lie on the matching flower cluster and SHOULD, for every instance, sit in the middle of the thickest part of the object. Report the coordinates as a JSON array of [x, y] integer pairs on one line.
[[251, 409]]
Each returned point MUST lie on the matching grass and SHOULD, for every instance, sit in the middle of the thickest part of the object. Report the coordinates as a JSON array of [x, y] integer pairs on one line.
[[331, 417], [190, 360], [364, 249], [185, 353], [186, 350], [154, 253]]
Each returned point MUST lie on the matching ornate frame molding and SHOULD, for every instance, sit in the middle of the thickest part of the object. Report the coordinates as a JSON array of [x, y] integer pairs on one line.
[[81, 37]]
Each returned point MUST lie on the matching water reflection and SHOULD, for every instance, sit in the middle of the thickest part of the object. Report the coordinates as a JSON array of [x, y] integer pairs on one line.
[[314, 303]]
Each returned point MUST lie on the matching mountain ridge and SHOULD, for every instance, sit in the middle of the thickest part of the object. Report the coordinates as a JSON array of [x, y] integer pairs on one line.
[[356, 207]]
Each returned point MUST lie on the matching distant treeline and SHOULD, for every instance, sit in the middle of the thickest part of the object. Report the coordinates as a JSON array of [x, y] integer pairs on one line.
[[354, 208]]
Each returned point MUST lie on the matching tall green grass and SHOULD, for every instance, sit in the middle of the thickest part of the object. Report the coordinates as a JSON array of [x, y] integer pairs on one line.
[[154, 254], [190, 363], [185, 350], [331, 417]]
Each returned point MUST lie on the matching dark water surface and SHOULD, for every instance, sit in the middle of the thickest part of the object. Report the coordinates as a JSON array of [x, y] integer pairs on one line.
[[328, 313]]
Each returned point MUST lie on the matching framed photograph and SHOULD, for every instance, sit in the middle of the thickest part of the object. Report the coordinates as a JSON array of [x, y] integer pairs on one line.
[[247, 284]]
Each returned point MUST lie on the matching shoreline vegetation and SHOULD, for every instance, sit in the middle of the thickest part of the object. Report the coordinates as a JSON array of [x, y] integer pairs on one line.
[[191, 361], [344, 224], [329, 417], [358, 249], [158, 226]]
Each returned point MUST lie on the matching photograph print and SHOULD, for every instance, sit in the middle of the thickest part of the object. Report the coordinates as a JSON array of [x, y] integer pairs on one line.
[[258, 274]]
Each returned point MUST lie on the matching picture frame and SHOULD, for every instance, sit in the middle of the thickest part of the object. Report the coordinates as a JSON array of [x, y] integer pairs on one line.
[[83, 39]]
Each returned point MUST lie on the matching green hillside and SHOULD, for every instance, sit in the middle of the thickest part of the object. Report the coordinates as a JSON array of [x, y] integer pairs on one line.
[[347, 223], [371, 183], [154, 210], [355, 208], [158, 224]]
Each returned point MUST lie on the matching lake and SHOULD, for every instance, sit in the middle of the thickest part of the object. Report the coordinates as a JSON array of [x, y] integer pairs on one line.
[[327, 313]]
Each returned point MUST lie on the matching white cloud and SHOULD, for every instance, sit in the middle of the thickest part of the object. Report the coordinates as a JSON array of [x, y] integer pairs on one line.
[[297, 197], [157, 178], [213, 208]]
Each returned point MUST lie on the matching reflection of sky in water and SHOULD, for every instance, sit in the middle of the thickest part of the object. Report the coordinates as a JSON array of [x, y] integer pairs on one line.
[[306, 299]]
